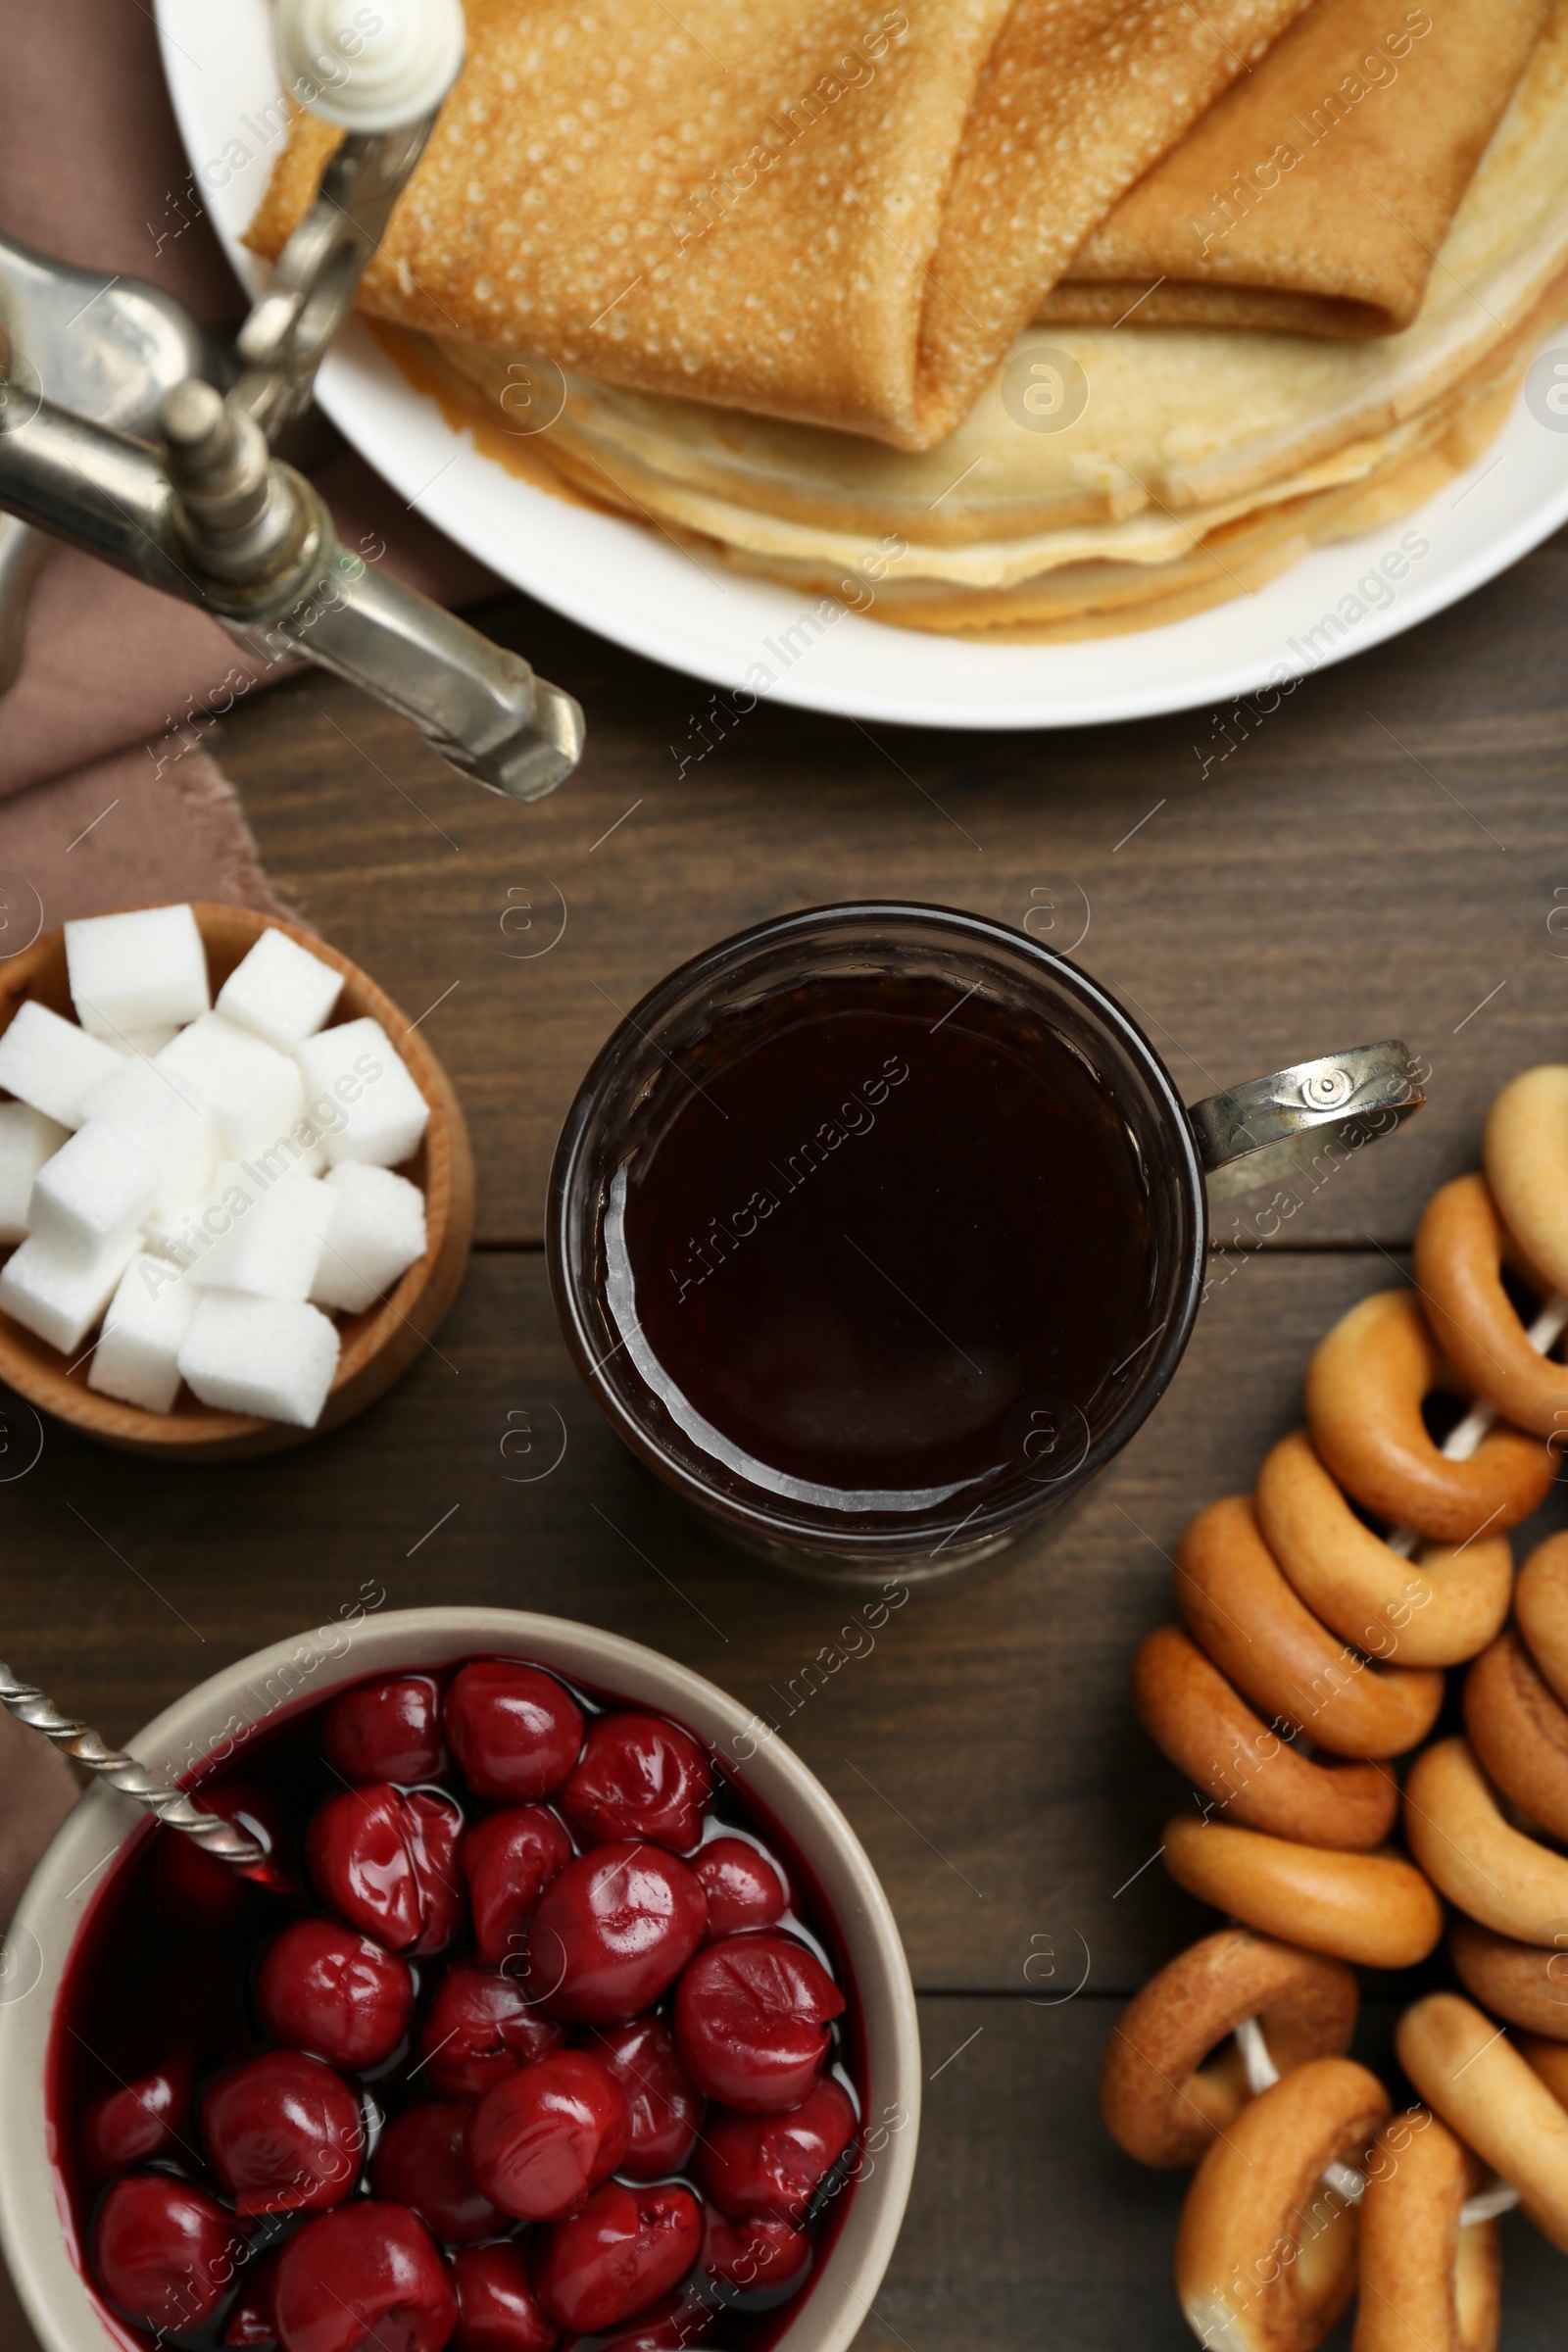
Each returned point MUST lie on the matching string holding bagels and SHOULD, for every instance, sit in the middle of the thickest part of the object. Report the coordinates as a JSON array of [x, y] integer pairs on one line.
[[1311, 1654]]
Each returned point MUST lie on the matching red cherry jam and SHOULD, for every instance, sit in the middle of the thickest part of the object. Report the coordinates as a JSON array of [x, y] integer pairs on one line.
[[532, 2037]]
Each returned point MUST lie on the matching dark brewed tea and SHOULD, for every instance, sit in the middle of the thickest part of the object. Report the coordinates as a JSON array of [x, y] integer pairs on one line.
[[884, 1244]]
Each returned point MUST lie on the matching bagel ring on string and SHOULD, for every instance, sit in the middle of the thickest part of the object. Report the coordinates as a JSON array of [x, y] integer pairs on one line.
[[1265, 2254], [1374, 1909], [1459, 1249], [1365, 1384], [1425, 2277], [1248, 1768], [1525, 1152], [1540, 1605], [1457, 1832], [1487, 2091], [1252, 1624], [1160, 2102], [1519, 1731], [1525, 1983], [1436, 1610]]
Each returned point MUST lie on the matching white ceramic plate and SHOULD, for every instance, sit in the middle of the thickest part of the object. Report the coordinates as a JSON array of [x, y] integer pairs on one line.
[[644, 592]]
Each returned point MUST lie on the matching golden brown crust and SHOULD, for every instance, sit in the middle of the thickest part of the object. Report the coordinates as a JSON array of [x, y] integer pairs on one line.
[[1364, 1388], [1158, 2100], [1479, 1860], [1540, 1605], [993, 258], [1437, 1610], [1525, 1983], [1246, 1768], [1526, 1154], [1477, 2081], [1240, 1609], [1374, 1909], [1550, 2059], [1425, 2283], [836, 212], [1519, 1732], [1459, 1250], [1315, 194], [1265, 2255]]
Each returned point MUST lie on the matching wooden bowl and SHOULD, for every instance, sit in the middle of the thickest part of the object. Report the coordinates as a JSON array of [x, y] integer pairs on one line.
[[379, 1344]]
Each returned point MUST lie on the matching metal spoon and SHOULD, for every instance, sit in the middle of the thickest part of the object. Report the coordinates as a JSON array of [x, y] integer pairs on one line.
[[210, 1830]]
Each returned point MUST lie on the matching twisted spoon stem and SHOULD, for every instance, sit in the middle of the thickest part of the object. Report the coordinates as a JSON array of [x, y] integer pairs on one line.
[[31, 1706]]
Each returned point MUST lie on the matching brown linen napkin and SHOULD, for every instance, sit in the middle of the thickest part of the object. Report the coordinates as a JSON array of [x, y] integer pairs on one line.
[[91, 172], [37, 1790], [1314, 195], [823, 210]]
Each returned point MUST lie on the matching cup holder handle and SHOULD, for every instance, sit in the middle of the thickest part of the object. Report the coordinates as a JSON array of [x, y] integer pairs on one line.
[[1256, 1134]]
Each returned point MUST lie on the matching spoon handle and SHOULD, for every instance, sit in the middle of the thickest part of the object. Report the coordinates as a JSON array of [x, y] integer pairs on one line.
[[219, 1836]]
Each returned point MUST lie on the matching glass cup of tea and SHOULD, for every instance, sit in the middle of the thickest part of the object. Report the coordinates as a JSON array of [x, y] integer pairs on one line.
[[879, 1229]]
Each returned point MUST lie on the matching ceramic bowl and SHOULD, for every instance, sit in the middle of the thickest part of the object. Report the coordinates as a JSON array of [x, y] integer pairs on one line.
[[379, 1344], [68, 1882]]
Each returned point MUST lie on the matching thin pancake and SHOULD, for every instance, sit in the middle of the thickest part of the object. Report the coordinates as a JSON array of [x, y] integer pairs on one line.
[[1108, 599], [1178, 422], [1149, 536], [1314, 195], [815, 209]]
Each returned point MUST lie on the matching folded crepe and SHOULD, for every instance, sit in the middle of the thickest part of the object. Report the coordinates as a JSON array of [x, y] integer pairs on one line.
[[822, 210], [1199, 462], [1314, 194]]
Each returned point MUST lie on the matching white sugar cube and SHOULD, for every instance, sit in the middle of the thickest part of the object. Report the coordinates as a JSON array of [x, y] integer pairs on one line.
[[27, 1140], [173, 1128], [130, 972], [92, 1194], [190, 1234], [55, 1298], [361, 1096], [289, 1156], [273, 1249], [167, 1116], [254, 1092], [51, 1063], [273, 1357], [149, 1043], [375, 1236], [137, 1355], [173, 1226], [280, 991]]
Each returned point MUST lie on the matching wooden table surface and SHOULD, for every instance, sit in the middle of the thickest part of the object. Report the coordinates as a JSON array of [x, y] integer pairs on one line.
[[1380, 856]]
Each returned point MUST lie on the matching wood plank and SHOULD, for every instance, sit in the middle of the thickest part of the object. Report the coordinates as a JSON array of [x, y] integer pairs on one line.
[[1378, 855], [982, 1741]]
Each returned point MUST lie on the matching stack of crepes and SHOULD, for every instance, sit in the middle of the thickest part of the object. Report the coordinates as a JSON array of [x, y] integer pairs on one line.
[[1039, 320]]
